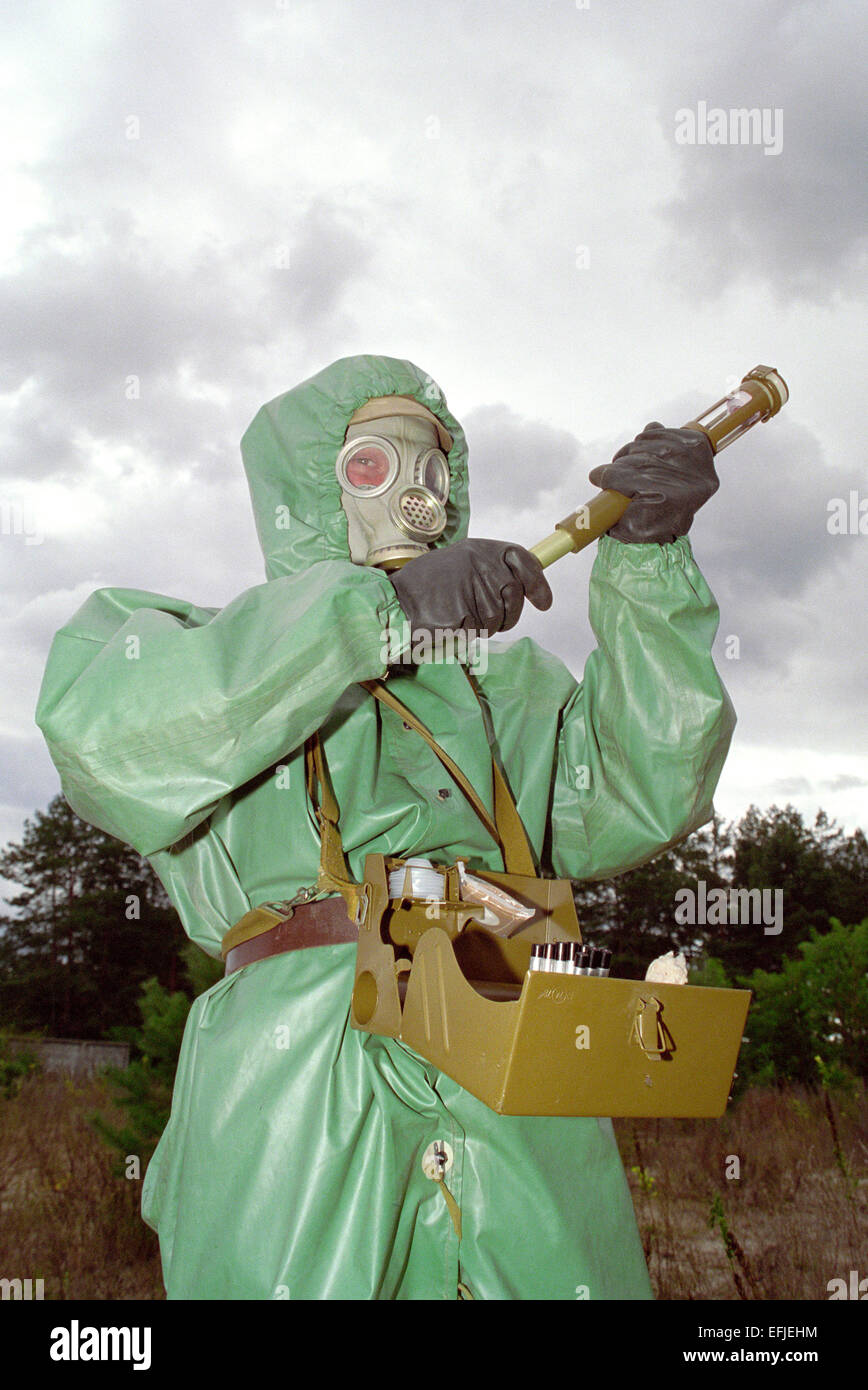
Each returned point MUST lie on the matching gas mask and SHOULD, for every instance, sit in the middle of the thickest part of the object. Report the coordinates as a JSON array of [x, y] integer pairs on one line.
[[394, 485]]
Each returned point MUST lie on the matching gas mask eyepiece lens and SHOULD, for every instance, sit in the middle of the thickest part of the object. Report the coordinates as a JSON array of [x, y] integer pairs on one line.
[[432, 472], [367, 466]]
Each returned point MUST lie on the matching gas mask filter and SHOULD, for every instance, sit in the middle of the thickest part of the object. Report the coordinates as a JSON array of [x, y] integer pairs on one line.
[[394, 481]]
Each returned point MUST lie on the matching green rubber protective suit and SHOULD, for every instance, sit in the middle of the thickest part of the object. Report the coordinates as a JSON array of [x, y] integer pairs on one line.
[[292, 1163]]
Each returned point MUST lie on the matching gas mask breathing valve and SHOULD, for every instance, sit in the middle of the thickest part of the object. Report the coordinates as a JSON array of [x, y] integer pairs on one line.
[[419, 514]]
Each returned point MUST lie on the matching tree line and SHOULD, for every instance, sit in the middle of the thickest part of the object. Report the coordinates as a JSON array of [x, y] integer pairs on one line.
[[92, 922]]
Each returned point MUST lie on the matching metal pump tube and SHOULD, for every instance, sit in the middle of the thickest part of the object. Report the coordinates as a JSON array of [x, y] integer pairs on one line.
[[760, 395]]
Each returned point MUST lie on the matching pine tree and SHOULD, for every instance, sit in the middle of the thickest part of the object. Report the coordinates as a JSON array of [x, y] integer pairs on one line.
[[819, 872], [92, 923], [144, 1088]]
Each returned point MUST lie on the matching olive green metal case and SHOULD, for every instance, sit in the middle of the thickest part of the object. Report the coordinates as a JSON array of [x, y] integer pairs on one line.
[[532, 1042]]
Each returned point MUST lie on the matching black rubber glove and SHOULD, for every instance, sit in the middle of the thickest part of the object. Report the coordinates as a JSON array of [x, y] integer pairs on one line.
[[670, 473], [474, 585]]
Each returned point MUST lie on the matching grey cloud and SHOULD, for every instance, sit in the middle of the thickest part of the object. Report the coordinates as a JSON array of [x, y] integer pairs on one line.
[[767, 525], [30, 779], [309, 300], [197, 540], [105, 292], [96, 315], [791, 786], [796, 219], [103, 339], [845, 782], [515, 458]]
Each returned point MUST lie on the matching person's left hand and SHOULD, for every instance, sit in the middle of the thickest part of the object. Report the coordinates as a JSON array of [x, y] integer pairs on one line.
[[669, 473]]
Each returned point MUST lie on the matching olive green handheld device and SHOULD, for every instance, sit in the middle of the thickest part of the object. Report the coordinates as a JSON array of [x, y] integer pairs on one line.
[[760, 395]]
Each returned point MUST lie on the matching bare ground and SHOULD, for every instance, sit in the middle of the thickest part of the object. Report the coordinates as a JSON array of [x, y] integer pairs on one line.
[[770, 1202]]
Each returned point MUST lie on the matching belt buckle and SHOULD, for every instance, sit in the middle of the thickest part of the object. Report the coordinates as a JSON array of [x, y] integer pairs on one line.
[[288, 905], [361, 907]]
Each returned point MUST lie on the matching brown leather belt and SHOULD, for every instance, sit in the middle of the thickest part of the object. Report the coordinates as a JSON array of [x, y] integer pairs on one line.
[[312, 924], [326, 924]]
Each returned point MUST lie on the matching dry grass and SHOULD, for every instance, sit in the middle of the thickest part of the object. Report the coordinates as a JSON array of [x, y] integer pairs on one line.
[[793, 1220], [65, 1215]]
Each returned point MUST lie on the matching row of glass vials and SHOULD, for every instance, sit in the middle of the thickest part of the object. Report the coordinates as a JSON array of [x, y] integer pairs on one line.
[[569, 958]]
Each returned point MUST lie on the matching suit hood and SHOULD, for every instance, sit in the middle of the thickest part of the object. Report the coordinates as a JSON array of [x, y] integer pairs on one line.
[[290, 449]]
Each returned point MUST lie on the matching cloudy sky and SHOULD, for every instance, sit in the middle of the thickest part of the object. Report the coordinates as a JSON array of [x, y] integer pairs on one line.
[[202, 204]]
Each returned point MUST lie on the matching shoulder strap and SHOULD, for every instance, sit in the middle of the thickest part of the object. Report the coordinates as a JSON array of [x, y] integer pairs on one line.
[[333, 873], [506, 828]]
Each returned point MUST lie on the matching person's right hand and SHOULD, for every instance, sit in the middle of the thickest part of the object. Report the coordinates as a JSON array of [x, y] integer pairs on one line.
[[474, 585]]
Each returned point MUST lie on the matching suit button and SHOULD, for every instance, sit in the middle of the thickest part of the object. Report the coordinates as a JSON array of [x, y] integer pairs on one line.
[[437, 1160]]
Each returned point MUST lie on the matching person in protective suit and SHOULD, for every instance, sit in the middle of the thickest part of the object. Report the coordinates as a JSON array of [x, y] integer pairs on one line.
[[297, 1162]]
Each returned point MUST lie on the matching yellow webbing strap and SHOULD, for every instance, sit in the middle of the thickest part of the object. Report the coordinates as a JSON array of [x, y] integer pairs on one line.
[[454, 1209], [333, 874], [506, 829], [253, 923]]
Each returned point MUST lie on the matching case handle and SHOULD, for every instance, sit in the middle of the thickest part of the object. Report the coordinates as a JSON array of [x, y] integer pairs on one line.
[[646, 1018]]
